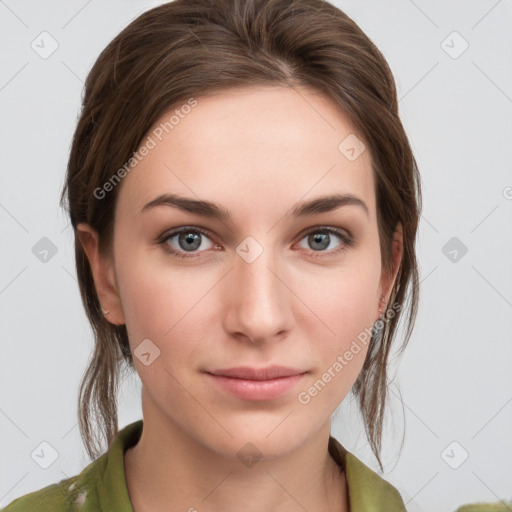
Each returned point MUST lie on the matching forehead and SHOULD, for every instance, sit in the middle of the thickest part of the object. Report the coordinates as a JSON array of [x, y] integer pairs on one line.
[[251, 147]]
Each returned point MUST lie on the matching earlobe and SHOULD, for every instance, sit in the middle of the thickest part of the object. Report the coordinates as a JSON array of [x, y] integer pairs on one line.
[[102, 270]]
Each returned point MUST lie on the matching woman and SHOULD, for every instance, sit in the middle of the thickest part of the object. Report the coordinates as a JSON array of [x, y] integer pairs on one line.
[[245, 205]]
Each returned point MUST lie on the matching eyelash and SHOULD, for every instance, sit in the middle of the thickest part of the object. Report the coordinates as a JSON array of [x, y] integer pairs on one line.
[[347, 241]]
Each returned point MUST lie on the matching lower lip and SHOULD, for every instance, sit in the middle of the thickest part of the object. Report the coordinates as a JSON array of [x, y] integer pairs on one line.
[[257, 389]]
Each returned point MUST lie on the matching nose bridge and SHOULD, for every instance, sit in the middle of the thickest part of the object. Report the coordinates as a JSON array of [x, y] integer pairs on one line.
[[258, 305]]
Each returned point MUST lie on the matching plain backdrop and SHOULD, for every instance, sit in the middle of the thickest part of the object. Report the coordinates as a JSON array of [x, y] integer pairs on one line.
[[453, 67]]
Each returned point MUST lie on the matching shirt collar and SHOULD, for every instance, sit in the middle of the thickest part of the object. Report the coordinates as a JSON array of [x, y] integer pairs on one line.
[[366, 489]]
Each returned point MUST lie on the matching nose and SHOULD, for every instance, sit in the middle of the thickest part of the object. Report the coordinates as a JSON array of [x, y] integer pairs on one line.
[[258, 299]]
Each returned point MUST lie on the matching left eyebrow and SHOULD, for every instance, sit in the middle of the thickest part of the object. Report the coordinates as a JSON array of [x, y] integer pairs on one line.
[[325, 204], [208, 209]]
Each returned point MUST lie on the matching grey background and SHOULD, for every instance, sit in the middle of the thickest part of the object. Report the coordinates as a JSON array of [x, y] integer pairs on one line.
[[454, 378]]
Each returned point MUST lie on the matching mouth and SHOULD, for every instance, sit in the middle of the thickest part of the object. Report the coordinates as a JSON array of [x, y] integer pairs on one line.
[[257, 384]]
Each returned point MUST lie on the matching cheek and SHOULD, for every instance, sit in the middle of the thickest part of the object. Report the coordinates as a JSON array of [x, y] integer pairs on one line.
[[161, 301], [162, 305], [343, 306], [345, 298]]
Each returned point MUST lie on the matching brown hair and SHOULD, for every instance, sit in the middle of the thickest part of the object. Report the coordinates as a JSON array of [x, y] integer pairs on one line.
[[189, 48]]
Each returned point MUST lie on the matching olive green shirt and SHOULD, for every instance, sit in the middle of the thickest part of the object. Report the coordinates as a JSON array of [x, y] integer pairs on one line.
[[101, 486]]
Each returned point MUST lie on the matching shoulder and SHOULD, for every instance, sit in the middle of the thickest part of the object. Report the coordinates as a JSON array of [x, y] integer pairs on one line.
[[65, 495], [486, 507], [100, 486], [59, 497]]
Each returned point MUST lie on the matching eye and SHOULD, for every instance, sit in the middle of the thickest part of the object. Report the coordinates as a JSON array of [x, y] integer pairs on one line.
[[186, 240], [189, 242], [319, 239]]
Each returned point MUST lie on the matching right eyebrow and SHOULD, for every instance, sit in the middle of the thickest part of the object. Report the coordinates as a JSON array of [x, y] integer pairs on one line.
[[197, 207]]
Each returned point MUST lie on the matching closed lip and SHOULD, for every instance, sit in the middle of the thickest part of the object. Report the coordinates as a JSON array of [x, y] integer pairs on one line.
[[248, 373]]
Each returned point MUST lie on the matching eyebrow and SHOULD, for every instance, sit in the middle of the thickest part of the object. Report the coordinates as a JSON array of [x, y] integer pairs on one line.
[[208, 209]]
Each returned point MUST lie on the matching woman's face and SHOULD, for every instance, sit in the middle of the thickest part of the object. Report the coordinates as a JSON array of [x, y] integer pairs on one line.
[[258, 287]]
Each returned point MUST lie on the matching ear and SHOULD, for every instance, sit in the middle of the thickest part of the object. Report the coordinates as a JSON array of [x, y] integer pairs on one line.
[[388, 279], [102, 269]]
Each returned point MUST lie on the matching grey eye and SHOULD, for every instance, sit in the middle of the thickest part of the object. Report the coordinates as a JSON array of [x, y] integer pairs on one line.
[[189, 241], [320, 240]]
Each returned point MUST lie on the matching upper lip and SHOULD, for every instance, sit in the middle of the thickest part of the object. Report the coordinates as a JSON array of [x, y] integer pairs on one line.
[[246, 372]]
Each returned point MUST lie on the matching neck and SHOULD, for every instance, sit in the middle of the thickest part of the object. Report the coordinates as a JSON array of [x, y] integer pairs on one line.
[[169, 466]]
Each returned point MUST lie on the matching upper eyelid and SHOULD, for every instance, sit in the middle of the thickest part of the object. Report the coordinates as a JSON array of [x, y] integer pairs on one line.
[[184, 229]]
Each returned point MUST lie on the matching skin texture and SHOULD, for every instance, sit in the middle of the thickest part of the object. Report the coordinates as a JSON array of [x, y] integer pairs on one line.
[[256, 151]]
